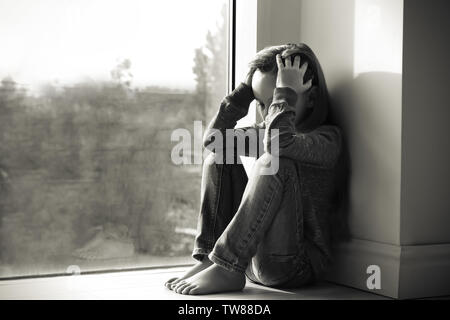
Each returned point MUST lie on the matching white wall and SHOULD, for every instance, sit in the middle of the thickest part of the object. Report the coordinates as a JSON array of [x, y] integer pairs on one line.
[[359, 44]]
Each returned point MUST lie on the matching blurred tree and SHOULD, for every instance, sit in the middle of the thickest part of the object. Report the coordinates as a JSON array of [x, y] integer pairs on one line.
[[122, 73], [210, 69], [9, 103], [202, 90], [8, 86]]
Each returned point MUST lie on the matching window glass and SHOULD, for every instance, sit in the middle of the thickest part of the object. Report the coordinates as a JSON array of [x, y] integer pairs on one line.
[[91, 92]]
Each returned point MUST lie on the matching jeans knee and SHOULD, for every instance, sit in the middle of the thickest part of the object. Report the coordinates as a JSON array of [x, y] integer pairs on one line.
[[264, 163], [213, 159], [268, 164], [210, 159]]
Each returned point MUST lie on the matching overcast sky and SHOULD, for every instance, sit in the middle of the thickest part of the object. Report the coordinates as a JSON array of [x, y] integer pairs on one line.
[[66, 40]]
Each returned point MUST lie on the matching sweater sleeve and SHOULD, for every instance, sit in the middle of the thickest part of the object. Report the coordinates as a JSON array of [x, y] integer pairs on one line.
[[221, 136], [320, 147]]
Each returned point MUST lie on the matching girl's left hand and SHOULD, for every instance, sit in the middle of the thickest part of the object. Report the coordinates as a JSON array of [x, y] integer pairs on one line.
[[249, 77], [291, 74]]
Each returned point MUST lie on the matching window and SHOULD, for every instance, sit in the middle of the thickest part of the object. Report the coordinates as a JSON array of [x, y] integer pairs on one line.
[[90, 91]]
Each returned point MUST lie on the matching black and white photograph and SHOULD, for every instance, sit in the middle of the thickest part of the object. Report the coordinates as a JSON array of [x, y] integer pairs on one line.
[[224, 156]]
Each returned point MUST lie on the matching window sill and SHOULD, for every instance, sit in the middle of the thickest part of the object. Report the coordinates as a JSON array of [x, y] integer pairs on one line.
[[149, 285]]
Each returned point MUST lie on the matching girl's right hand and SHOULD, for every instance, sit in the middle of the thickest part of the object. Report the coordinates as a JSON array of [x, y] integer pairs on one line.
[[292, 74]]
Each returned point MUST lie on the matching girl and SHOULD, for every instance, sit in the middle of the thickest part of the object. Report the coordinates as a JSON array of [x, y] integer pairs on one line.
[[272, 228]]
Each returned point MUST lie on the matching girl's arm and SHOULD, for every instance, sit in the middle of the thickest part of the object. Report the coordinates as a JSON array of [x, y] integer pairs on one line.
[[221, 136], [320, 147]]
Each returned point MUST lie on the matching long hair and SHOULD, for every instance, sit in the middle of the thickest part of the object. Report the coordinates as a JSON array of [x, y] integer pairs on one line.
[[265, 61]]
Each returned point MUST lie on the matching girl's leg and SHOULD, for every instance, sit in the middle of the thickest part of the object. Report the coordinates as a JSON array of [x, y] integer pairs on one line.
[[281, 259], [265, 197], [266, 220], [221, 192]]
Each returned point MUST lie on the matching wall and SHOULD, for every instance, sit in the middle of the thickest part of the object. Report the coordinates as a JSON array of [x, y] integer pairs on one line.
[[426, 130], [349, 38]]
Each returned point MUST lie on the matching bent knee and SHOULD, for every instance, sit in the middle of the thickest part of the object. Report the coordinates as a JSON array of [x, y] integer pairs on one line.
[[213, 159], [271, 164]]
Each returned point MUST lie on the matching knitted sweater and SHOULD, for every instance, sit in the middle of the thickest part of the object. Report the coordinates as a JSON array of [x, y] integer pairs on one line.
[[315, 153]]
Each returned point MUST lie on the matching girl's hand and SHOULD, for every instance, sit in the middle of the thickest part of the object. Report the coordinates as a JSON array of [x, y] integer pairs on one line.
[[291, 75], [249, 77]]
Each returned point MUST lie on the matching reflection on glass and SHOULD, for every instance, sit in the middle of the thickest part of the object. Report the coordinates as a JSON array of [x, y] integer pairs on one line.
[[90, 92]]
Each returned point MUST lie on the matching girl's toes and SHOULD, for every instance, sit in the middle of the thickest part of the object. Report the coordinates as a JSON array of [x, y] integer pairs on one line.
[[178, 285], [186, 289], [172, 279], [169, 282], [194, 290], [181, 287], [191, 289], [175, 283]]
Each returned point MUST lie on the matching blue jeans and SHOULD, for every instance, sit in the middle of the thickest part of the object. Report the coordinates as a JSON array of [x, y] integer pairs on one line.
[[253, 225]]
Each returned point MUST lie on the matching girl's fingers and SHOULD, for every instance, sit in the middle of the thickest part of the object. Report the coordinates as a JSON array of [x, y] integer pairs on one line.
[[308, 84], [304, 67], [279, 61], [288, 61], [296, 62]]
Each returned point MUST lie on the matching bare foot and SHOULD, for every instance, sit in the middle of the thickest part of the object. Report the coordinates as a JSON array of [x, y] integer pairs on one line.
[[211, 280], [201, 265]]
